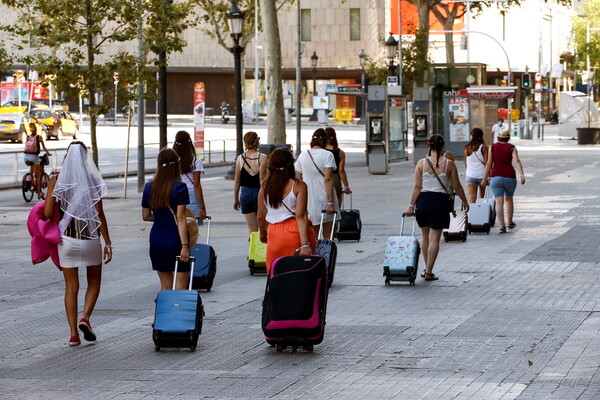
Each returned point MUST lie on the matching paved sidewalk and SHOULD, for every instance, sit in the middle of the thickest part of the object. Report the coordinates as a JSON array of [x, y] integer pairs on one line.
[[513, 316]]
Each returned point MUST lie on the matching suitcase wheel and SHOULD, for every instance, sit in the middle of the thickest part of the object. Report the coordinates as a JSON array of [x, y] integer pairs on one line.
[[469, 228], [387, 281], [193, 347], [445, 236], [294, 349], [279, 348], [463, 235], [251, 267], [156, 347], [487, 228], [412, 282], [309, 348]]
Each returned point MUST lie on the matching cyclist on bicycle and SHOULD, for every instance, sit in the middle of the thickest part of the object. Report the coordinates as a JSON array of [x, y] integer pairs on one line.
[[32, 155]]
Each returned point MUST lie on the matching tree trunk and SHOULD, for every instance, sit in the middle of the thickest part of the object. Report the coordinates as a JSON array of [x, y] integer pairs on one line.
[[92, 89], [449, 38], [423, 7], [274, 89]]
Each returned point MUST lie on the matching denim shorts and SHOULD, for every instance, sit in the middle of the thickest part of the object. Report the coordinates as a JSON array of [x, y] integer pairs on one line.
[[194, 206], [503, 186], [31, 159], [249, 199], [473, 181]]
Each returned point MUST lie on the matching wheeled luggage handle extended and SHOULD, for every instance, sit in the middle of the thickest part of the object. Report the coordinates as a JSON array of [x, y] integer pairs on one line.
[[402, 224], [208, 232], [192, 264], [320, 235], [343, 200]]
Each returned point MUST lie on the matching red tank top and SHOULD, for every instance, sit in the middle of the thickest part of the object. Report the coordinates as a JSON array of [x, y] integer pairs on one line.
[[502, 155]]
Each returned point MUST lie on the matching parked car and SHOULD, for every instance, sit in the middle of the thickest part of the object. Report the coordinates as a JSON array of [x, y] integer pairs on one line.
[[12, 107], [15, 127], [59, 122], [55, 103]]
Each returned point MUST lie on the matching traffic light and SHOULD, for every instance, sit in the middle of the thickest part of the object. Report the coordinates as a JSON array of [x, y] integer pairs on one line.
[[526, 81]]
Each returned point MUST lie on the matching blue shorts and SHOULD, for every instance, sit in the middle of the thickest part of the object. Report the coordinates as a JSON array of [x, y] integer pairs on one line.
[[473, 181], [503, 186], [31, 159], [194, 206], [249, 199]]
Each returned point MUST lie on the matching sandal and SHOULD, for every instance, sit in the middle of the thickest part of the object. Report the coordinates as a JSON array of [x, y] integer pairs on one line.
[[503, 229], [512, 225], [430, 276]]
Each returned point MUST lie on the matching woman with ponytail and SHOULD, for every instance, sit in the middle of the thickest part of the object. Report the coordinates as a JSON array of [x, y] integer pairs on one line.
[[429, 200], [250, 171], [191, 169], [282, 213], [164, 204], [476, 154]]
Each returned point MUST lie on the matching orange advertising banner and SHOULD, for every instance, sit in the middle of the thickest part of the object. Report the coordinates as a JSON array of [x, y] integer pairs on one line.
[[199, 105], [345, 101], [410, 19]]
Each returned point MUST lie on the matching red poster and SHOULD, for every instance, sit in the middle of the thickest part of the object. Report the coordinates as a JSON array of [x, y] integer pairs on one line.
[[346, 102], [199, 104]]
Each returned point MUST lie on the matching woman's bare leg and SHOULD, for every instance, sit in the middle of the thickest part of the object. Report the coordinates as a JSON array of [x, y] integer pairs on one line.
[[166, 280], [500, 211], [71, 276], [433, 249], [472, 192], [251, 222], [94, 278], [425, 244], [509, 209]]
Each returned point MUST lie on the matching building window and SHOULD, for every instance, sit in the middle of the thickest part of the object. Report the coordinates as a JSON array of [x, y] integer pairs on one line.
[[355, 24], [305, 25]]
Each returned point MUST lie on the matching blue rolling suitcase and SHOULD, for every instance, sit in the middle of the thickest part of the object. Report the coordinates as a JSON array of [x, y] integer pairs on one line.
[[178, 316], [206, 263], [327, 249], [401, 258]]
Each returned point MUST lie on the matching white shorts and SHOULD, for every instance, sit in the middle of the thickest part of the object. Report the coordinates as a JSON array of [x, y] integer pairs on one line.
[[74, 253]]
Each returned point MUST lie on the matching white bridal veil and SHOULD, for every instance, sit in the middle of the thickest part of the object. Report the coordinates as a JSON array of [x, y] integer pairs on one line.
[[78, 188]]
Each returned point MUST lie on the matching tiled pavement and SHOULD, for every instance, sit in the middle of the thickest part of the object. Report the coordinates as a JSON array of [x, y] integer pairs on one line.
[[513, 316]]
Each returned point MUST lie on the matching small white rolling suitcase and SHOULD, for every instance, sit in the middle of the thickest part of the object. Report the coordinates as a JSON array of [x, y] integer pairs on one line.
[[458, 227], [489, 198], [481, 215], [401, 258]]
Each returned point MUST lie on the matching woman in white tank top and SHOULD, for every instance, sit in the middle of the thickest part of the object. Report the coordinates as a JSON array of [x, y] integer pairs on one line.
[[476, 154], [282, 210], [429, 200]]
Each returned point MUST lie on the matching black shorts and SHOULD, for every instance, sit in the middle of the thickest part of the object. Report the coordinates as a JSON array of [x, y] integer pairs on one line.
[[431, 210]]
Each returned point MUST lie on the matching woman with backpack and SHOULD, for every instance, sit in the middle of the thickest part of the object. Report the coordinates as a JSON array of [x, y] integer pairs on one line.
[[164, 204], [476, 154], [282, 212], [32, 155], [250, 171], [191, 169], [78, 189]]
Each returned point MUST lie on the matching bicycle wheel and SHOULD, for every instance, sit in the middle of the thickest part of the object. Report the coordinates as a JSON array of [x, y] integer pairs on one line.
[[27, 187], [45, 180]]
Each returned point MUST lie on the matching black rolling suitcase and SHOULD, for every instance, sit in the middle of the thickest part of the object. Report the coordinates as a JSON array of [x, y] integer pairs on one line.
[[178, 316], [295, 302], [349, 225], [327, 249], [206, 263]]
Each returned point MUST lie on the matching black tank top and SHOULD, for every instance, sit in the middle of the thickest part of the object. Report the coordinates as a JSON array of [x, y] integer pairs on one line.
[[336, 157], [246, 179]]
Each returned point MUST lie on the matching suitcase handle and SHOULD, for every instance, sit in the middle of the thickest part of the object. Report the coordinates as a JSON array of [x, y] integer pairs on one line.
[[320, 235], [343, 200], [208, 232], [192, 264], [402, 224]]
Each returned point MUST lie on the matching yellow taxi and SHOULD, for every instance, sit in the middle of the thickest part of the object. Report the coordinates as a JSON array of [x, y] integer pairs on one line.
[[12, 107], [15, 127], [59, 122]]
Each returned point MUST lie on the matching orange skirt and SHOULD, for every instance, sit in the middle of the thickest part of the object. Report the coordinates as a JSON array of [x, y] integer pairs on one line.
[[283, 239]]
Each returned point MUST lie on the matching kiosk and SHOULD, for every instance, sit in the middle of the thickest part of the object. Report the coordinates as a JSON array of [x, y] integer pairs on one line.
[[377, 158], [421, 122], [397, 123]]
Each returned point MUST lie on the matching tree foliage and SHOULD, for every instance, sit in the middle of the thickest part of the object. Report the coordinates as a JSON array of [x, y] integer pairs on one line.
[[587, 24], [73, 36]]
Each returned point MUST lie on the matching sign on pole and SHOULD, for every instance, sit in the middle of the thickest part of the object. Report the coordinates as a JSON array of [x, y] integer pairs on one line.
[[538, 77], [199, 104]]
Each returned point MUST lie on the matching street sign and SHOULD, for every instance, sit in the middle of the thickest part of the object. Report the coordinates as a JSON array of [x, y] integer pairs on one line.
[[392, 81], [396, 102], [347, 88], [538, 77]]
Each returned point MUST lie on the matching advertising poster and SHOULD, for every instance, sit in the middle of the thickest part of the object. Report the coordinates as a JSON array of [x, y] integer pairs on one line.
[[458, 116], [199, 104]]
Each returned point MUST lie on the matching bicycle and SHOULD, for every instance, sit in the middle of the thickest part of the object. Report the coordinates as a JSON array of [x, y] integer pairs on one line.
[[28, 184]]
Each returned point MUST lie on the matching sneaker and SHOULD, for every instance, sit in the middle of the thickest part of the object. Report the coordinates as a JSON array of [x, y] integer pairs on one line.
[[74, 341], [86, 329]]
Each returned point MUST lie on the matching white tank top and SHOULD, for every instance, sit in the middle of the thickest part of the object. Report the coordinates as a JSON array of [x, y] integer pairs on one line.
[[430, 182], [475, 166], [280, 214]]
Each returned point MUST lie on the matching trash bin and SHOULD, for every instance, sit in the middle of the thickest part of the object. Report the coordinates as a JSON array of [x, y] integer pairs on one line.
[[588, 135], [377, 158], [524, 129]]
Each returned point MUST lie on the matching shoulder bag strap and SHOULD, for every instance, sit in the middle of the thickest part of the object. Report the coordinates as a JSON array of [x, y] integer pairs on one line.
[[248, 164], [173, 213], [316, 166], [437, 177]]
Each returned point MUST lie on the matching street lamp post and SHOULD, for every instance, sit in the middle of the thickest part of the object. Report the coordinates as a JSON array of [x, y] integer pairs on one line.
[[235, 19], [363, 61], [314, 60], [392, 47]]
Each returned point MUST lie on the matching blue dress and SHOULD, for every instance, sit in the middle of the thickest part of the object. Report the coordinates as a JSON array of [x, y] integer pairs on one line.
[[165, 244]]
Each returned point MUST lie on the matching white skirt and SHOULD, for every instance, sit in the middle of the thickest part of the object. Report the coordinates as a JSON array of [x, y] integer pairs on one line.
[[74, 253]]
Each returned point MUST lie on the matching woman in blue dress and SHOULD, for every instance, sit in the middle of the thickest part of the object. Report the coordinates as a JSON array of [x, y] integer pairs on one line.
[[164, 203]]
